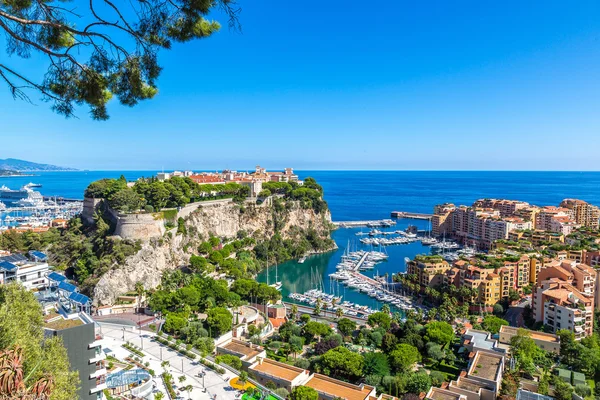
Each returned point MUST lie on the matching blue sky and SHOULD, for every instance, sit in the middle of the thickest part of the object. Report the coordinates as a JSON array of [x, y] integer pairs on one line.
[[351, 85]]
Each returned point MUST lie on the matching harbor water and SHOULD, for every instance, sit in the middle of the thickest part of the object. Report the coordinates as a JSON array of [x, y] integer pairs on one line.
[[314, 272]]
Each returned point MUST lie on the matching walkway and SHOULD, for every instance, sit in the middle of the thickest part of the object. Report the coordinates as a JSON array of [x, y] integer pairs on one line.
[[216, 385]]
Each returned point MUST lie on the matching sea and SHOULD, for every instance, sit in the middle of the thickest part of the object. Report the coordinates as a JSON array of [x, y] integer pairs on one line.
[[371, 195]]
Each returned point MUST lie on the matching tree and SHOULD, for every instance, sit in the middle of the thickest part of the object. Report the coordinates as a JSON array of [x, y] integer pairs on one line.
[[435, 352], [296, 344], [346, 326], [294, 312], [243, 377], [492, 323], [439, 332], [121, 41], [21, 331], [342, 363], [562, 390], [381, 319], [404, 357], [198, 263], [314, 329], [304, 393], [219, 320], [498, 309], [419, 382], [376, 364]]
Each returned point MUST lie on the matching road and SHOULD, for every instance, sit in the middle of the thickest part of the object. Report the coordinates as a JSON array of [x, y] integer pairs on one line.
[[514, 315], [217, 387]]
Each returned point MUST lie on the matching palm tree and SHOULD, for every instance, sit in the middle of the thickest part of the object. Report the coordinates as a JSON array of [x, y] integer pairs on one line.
[[165, 365], [339, 312], [159, 396], [188, 389], [182, 378], [294, 312], [385, 308], [139, 289], [318, 307]]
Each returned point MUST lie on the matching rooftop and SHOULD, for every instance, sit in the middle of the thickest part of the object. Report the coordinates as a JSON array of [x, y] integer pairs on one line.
[[336, 388], [61, 323], [485, 366], [469, 384], [277, 369], [442, 394], [241, 348], [535, 335], [480, 339]]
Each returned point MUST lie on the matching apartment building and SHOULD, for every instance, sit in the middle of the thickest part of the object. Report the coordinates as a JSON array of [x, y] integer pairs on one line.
[[441, 221], [545, 216], [79, 336], [430, 271], [559, 305], [30, 272], [545, 341], [505, 207], [582, 212]]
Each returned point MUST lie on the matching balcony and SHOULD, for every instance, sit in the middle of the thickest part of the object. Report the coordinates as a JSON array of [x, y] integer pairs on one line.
[[98, 388], [99, 372], [95, 343], [98, 357]]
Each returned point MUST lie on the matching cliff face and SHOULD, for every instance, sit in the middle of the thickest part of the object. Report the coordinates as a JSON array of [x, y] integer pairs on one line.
[[223, 219]]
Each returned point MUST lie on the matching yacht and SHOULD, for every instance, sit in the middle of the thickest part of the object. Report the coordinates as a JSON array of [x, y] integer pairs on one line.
[[2, 206], [301, 260]]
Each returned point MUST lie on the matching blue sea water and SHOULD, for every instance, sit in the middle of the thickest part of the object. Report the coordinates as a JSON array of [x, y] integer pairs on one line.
[[358, 195], [362, 195]]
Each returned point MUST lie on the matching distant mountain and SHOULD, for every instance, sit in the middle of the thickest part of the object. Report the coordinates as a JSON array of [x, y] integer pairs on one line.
[[12, 164]]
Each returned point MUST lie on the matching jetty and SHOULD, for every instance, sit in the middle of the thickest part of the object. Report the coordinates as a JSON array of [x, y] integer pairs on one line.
[[410, 215], [372, 223]]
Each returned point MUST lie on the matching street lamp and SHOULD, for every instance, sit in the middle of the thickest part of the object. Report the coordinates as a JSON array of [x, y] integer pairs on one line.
[[123, 333]]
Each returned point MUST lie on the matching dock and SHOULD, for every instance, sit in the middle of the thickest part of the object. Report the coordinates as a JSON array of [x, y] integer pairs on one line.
[[410, 215], [372, 223]]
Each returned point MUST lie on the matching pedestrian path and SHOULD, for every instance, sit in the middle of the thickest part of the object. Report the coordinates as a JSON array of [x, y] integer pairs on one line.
[[216, 386]]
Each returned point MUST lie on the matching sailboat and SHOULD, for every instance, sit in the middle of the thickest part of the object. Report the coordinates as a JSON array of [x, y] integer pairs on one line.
[[277, 285]]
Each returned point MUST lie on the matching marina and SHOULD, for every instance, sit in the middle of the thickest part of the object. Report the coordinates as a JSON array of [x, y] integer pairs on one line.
[[27, 209], [356, 276]]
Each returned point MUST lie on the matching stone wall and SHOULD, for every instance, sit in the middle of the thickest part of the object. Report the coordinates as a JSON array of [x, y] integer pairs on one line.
[[139, 226]]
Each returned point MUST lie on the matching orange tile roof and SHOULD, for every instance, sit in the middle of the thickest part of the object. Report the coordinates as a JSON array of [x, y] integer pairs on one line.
[[336, 388], [278, 370]]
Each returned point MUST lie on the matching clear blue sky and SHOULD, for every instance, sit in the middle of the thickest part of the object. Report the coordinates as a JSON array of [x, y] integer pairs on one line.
[[352, 85]]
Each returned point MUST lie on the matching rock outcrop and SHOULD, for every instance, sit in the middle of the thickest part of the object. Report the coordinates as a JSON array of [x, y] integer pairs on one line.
[[223, 219]]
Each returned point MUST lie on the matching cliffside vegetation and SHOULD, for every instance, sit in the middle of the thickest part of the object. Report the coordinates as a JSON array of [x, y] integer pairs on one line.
[[87, 251], [151, 195]]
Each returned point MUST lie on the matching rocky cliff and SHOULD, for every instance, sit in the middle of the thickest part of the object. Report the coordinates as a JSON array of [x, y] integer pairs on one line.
[[223, 219]]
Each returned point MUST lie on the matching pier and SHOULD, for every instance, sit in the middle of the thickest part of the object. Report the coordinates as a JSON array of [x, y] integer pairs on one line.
[[372, 223], [410, 215]]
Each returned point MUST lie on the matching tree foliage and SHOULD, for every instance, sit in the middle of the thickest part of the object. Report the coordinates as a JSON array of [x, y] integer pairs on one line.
[[102, 50], [21, 330]]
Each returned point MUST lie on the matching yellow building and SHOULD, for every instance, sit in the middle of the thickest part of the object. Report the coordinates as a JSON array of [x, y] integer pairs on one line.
[[430, 270]]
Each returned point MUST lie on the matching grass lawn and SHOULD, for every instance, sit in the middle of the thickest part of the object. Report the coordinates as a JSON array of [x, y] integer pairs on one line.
[[256, 397], [449, 371]]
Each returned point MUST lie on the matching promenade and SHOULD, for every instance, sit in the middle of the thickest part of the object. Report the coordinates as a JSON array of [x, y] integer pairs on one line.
[[217, 386]]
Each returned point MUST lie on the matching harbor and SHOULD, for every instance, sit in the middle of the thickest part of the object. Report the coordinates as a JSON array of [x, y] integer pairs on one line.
[[356, 276], [26, 209]]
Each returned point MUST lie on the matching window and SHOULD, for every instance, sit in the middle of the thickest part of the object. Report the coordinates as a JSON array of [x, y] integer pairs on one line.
[[23, 278], [39, 274]]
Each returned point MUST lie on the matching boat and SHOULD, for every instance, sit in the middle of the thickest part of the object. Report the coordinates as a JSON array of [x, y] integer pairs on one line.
[[28, 196], [33, 185], [301, 260], [2, 206]]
